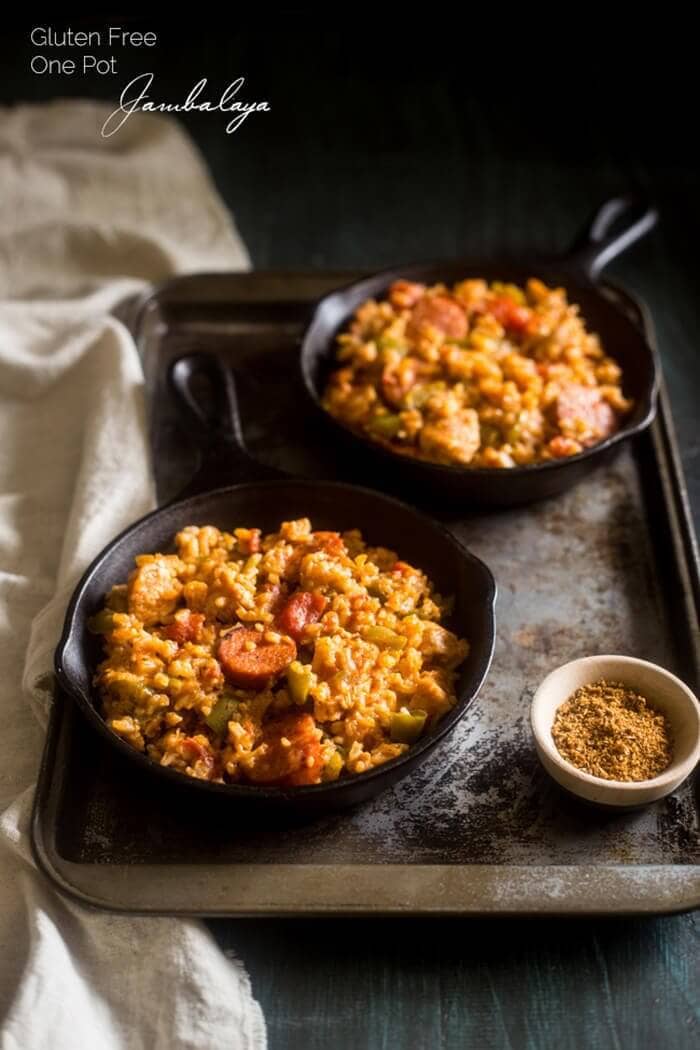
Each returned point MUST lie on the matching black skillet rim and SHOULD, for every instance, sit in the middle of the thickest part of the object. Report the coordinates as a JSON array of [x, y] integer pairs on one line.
[[251, 792]]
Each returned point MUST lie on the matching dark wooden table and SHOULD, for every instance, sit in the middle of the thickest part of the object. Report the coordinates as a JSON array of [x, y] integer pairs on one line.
[[410, 144]]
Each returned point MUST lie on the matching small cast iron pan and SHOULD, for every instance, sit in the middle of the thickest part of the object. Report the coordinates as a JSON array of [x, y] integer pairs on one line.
[[264, 498], [617, 224]]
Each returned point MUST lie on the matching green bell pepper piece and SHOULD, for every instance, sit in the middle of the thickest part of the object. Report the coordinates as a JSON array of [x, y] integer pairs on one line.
[[221, 714], [102, 622], [384, 638], [407, 726], [386, 426], [334, 766]]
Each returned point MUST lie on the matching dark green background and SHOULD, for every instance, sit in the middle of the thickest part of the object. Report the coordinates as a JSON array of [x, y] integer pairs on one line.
[[434, 137]]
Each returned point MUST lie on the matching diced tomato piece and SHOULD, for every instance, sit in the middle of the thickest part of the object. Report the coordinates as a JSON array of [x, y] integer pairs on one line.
[[330, 542], [403, 567], [301, 609], [510, 314], [185, 628]]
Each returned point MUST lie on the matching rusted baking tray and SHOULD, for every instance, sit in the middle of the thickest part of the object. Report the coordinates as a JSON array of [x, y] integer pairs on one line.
[[478, 830]]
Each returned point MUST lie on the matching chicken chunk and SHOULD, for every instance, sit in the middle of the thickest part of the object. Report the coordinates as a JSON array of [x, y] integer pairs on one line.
[[290, 753], [442, 646], [452, 440], [154, 588]]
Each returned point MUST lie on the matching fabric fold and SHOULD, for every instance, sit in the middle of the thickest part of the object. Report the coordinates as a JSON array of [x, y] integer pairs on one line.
[[86, 223]]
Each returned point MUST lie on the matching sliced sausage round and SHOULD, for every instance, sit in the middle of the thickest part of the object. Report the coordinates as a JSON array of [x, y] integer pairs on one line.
[[302, 608], [248, 661], [441, 312], [584, 404]]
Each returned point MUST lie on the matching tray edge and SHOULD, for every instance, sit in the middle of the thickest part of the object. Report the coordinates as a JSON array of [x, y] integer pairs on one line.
[[70, 877]]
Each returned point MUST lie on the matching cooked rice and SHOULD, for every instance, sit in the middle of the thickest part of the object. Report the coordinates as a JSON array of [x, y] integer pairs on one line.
[[368, 664], [477, 375]]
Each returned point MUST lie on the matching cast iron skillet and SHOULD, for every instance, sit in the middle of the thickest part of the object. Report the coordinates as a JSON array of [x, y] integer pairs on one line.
[[264, 498], [616, 225]]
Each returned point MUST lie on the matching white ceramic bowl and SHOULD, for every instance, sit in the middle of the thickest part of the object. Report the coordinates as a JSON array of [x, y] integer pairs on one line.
[[666, 692]]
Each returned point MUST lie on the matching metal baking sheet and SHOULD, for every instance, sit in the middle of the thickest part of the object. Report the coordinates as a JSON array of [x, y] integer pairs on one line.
[[479, 829]]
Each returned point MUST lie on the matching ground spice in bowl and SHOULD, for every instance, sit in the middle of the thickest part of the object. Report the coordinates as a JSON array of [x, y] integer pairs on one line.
[[610, 731]]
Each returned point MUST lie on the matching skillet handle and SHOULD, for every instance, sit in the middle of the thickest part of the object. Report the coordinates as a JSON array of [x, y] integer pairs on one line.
[[616, 225], [205, 390]]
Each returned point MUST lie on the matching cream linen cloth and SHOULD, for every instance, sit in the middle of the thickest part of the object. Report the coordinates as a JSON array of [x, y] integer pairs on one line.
[[85, 222]]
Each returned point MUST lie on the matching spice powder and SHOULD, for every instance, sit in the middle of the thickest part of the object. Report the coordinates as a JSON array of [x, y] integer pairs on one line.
[[608, 730]]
